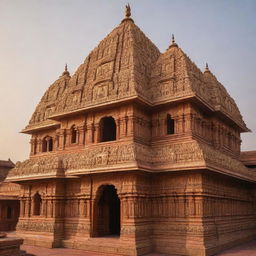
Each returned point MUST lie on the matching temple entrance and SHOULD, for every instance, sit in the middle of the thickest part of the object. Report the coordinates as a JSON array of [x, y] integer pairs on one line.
[[107, 212]]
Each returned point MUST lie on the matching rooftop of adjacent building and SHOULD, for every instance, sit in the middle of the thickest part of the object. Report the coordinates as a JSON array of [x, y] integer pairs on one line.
[[249, 158], [7, 163]]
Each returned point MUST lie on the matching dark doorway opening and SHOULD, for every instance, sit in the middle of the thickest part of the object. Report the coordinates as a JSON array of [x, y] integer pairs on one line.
[[170, 125], [107, 212], [37, 204], [108, 129]]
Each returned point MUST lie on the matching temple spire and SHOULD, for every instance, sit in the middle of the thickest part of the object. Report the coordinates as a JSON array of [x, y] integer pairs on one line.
[[66, 70], [173, 44], [206, 68]]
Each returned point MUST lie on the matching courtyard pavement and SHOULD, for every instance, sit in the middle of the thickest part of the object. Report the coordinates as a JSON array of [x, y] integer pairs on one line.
[[247, 249]]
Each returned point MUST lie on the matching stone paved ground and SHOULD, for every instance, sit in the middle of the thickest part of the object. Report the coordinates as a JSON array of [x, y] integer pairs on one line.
[[247, 249]]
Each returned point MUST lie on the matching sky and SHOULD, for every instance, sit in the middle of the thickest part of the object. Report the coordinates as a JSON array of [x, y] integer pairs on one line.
[[38, 37]]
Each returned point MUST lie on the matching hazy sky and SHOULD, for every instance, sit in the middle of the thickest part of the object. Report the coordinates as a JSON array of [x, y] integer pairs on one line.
[[39, 36]]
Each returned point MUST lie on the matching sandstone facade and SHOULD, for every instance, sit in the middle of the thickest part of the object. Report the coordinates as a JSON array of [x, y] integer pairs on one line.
[[138, 145], [9, 198]]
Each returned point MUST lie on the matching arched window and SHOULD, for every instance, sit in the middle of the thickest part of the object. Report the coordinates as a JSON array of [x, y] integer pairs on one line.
[[37, 204], [108, 129], [47, 144], [73, 134], [170, 125]]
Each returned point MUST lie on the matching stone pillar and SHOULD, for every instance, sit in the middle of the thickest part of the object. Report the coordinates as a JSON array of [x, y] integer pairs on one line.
[[81, 135], [130, 128], [68, 137], [118, 129], [89, 134], [39, 146], [32, 146], [61, 139], [97, 132]]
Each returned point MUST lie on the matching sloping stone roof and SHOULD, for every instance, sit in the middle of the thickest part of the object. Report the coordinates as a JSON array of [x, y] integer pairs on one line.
[[7, 163], [248, 158], [127, 65]]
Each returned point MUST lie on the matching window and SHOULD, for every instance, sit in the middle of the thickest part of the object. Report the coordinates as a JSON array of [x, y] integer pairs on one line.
[[47, 144], [170, 125], [37, 204], [108, 129], [73, 134]]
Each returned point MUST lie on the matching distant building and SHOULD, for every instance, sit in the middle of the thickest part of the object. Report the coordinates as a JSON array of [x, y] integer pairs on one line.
[[9, 200], [138, 151]]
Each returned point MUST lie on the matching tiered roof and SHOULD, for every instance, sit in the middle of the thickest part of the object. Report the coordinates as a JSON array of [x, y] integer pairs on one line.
[[127, 65]]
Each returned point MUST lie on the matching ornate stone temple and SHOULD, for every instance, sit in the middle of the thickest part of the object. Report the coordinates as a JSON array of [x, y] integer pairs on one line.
[[138, 151]]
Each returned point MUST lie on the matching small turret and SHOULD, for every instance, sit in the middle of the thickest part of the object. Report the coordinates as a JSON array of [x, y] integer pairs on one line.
[[66, 71], [206, 68], [173, 44]]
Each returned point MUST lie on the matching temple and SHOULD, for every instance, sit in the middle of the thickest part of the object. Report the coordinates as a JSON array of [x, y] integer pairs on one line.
[[138, 151]]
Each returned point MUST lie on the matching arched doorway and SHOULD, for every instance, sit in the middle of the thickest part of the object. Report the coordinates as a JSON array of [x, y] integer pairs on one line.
[[37, 200], [107, 212]]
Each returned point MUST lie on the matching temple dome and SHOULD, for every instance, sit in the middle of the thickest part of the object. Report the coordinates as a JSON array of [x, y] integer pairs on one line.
[[127, 65]]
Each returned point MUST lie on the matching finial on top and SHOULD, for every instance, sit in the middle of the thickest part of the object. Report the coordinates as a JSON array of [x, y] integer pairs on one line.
[[127, 11], [206, 68], [173, 44], [173, 39], [66, 70]]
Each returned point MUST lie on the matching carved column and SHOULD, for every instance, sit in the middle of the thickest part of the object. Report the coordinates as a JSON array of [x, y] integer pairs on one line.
[[32, 146], [130, 128], [178, 120], [89, 134], [68, 137], [97, 132], [81, 135], [22, 207], [27, 206], [39, 146], [62, 139], [118, 129], [162, 128]]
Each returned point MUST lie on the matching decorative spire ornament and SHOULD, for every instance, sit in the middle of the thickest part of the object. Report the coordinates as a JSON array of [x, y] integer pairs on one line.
[[206, 68], [127, 11], [173, 44], [66, 70]]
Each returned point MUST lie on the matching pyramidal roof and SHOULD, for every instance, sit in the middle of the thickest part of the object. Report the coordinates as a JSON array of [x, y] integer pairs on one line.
[[127, 65]]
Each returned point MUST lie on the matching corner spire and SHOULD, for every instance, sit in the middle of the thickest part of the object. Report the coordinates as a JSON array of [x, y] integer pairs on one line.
[[127, 13], [206, 68], [173, 44], [66, 70]]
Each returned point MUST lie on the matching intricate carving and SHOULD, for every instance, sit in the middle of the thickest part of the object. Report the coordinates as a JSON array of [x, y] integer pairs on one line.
[[49, 165]]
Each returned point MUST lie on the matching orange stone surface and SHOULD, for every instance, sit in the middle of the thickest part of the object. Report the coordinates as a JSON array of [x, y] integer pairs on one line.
[[137, 152]]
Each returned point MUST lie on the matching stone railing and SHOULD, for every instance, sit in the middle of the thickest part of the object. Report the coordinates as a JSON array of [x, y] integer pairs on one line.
[[36, 168]]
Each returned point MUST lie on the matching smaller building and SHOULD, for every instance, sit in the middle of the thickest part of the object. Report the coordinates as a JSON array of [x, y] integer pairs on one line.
[[249, 158], [9, 202]]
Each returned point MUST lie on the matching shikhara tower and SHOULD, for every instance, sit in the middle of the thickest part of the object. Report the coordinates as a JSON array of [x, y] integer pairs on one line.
[[140, 146]]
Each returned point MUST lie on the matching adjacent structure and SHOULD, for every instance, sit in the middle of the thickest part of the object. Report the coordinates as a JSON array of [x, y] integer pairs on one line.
[[138, 151], [9, 198]]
